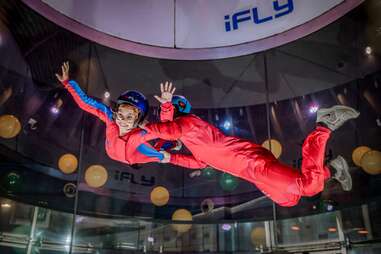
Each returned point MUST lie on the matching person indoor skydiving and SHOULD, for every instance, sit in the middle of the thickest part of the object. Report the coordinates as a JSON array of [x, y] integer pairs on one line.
[[247, 160], [182, 107], [125, 141]]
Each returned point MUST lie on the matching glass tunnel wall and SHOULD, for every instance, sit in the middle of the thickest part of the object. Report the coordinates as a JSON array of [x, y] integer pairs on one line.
[[61, 193]]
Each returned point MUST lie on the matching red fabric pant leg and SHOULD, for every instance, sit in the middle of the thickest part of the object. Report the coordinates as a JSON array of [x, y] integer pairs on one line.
[[284, 184], [314, 173]]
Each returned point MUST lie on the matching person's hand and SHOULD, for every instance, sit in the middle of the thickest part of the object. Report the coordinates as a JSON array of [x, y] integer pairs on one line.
[[166, 92], [167, 157], [65, 72], [178, 146], [143, 124]]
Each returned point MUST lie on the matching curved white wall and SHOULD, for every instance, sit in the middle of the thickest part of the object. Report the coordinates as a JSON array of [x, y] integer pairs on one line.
[[193, 29]]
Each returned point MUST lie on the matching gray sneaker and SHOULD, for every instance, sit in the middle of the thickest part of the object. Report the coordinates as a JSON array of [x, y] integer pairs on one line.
[[342, 172], [336, 116]]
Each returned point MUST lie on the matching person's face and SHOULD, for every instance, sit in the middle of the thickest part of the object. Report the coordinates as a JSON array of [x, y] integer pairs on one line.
[[126, 116]]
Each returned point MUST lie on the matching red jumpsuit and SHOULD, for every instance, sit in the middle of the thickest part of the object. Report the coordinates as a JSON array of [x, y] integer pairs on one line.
[[283, 184]]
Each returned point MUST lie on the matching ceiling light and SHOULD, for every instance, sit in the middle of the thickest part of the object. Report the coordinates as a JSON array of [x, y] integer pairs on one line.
[[313, 108], [227, 125], [226, 227], [6, 205], [295, 228], [362, 232], [332, 230], [368, 50]]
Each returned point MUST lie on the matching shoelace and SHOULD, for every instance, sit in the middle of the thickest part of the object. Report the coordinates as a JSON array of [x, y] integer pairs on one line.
[[340, 175], [332, 117]]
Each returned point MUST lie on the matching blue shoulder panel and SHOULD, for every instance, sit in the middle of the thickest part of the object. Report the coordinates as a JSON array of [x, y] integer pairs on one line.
[[90, 101]]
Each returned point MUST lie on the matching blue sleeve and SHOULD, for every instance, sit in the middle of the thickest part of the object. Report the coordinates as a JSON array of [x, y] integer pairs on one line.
[[150, 152], [87, 103]]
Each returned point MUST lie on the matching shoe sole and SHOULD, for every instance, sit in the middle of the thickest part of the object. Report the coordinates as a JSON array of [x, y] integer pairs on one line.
[[333, 126], [324, 111], [345, 172]]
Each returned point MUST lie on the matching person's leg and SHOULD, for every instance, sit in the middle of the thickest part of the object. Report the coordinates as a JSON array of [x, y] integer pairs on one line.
[[333, 118], [272, 177], [285, 185], [314, 173]]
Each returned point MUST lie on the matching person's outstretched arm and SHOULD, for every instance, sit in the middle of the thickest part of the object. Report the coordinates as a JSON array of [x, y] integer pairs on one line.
[[166, 114], [85, 102], [168, 130], [167, 110]]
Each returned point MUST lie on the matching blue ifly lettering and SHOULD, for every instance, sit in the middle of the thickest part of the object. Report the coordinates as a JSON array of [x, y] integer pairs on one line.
[[255, 15]]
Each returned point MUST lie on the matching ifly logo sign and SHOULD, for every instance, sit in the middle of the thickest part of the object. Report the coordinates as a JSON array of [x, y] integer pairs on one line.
[[255, 15]]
